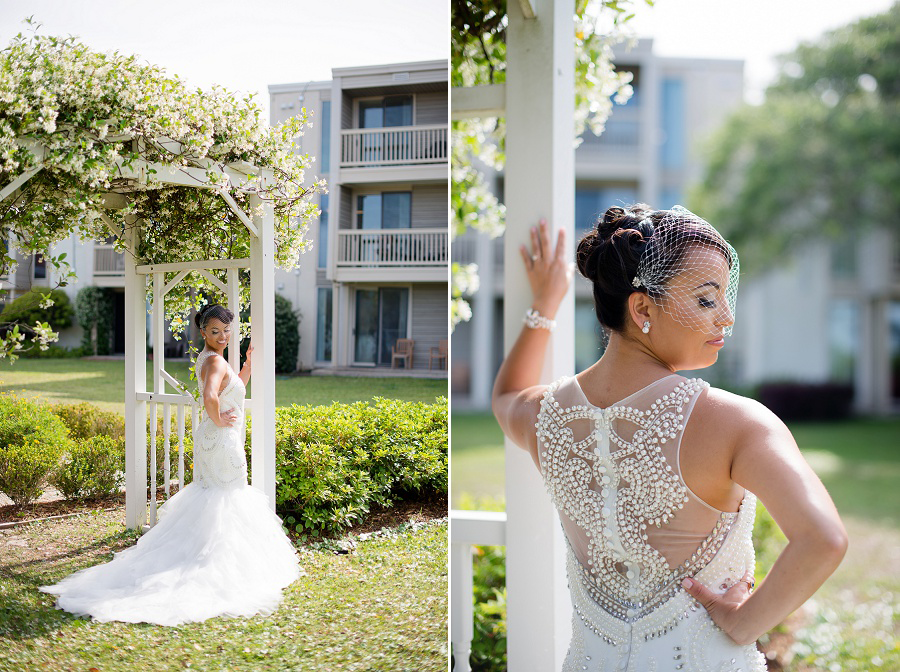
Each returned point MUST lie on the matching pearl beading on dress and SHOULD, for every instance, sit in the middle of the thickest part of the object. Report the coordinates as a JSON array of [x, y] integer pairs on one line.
[[626, 598], [218, 463]]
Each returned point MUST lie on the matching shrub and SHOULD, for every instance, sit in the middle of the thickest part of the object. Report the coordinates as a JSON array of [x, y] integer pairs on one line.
[[85, 420], [333, 463], [94, 308], [287, 335], [94, 467], [27, 310], [807, 401], [32, 439]]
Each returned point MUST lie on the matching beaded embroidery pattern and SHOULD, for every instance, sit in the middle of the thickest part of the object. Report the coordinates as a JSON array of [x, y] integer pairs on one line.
[[609, 486], [219, 451]]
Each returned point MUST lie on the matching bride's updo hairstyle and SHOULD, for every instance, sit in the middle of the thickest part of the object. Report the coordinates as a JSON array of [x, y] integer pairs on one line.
[[638, 249], [210, 311]]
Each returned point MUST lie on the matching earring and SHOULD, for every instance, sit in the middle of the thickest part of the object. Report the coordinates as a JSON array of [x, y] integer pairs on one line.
[[646, 328]]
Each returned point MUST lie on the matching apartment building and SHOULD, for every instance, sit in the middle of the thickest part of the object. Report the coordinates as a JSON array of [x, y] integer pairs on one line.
[[378, 271]]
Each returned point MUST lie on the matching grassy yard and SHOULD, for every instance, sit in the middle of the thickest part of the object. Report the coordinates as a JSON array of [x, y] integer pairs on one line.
[[102, 383], [381, 607], [852, 622]]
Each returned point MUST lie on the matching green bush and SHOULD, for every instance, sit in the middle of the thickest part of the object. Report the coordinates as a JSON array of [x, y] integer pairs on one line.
[[333, 463], [53, 352], [287, 335], [32, 439], [85, 420], [94, 308], [27, 310], [94, 467]]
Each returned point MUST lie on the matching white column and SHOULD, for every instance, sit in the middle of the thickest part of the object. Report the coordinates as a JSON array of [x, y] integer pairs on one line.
[[483, 326], [234, 305], [135, 381], [262, 316], [540, 182]]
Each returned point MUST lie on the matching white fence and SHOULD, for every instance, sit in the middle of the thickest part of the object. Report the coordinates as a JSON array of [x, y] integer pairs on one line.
[[393, 146], [392, 247], [467, 529]]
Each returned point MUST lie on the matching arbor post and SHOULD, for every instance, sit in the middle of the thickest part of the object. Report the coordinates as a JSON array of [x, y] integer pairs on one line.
[[135, 382], [262, 333], [540, 182]]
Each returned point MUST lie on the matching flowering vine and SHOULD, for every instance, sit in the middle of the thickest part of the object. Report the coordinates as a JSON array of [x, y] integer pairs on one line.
[[82, 118]]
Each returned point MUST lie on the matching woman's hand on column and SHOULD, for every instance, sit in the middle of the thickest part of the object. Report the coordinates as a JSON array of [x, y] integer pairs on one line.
[[548, 272]]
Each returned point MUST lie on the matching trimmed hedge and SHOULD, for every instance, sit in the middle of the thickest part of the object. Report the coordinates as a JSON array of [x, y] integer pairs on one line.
[[94, 467], [333, 463], [807, 401], [32, 439], [27, 310]]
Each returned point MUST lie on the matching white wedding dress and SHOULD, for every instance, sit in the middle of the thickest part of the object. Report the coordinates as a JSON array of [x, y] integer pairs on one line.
[[635, 530], [217, 549]]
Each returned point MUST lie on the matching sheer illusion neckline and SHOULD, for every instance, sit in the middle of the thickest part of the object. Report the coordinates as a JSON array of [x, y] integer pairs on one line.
[[622, 401]]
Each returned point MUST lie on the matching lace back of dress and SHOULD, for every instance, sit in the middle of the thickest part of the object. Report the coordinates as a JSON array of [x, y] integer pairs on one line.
[[613, 474]]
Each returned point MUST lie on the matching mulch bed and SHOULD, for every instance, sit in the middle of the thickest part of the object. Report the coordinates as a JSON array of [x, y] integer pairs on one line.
[[402, 512]]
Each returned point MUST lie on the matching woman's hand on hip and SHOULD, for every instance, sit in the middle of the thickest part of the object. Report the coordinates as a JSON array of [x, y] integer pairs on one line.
[[228, 418], [548, 272], [723, 609]]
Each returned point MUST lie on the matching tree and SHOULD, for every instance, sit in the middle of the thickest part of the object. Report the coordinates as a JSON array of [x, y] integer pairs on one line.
[[80, 117], [478, 52], [821, 156]]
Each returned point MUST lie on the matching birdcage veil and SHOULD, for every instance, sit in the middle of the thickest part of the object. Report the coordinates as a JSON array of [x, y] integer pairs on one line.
[[688, 269]]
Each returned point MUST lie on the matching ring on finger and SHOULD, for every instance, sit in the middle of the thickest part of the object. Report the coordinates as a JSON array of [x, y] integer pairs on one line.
[[751, 583], [535, 257]]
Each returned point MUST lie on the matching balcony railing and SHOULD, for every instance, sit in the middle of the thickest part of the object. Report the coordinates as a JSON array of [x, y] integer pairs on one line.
[[394, 146], [467, 529], [107, 261], [392, 248]]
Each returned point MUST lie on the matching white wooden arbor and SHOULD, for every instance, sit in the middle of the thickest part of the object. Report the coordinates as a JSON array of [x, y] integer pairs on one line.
[[141, 403], [538, 102]]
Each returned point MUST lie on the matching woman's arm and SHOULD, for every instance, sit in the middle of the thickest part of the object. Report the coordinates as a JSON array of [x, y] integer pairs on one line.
[[215, 373], [768, 463], [516, 398], [245, 373]]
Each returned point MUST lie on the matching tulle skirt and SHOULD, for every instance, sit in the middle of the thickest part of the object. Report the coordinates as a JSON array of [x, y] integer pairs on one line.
[[213, 552]]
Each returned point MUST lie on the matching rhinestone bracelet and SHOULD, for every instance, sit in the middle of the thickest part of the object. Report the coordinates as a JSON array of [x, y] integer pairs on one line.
[[534, 320]]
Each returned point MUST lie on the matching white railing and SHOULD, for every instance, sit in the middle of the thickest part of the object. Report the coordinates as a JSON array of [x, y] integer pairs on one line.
[[396, 145], [107, 261], [392, 247], [184, 404], [467, 529]]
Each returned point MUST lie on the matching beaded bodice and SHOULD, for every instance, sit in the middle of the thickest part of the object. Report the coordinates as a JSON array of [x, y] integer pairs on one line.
[[631, 522], [219, 458]]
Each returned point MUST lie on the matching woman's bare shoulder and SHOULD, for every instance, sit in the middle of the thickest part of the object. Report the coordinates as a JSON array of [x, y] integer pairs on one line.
[[738, 415]]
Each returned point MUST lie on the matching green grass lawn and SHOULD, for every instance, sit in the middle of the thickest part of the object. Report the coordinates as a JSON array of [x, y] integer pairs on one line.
[[102, 383], [382, 607]]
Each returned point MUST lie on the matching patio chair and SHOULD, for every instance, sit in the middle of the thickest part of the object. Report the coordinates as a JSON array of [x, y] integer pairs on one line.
[[439, 353], [402, 349]]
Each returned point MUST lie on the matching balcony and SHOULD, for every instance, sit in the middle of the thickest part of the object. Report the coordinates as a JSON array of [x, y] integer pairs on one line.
[[109, 266], [392, 254], [398, 152]]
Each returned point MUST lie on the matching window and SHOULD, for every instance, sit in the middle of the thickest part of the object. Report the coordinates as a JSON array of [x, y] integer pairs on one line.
[[843, 339], [40, 267], [323, 325], [326, 137], [592, 202], [388, 210], [672, 148], [386, 112], [323, 232]]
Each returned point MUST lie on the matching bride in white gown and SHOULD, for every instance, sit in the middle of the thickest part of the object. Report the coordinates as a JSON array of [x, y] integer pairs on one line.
[[218, 549]]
